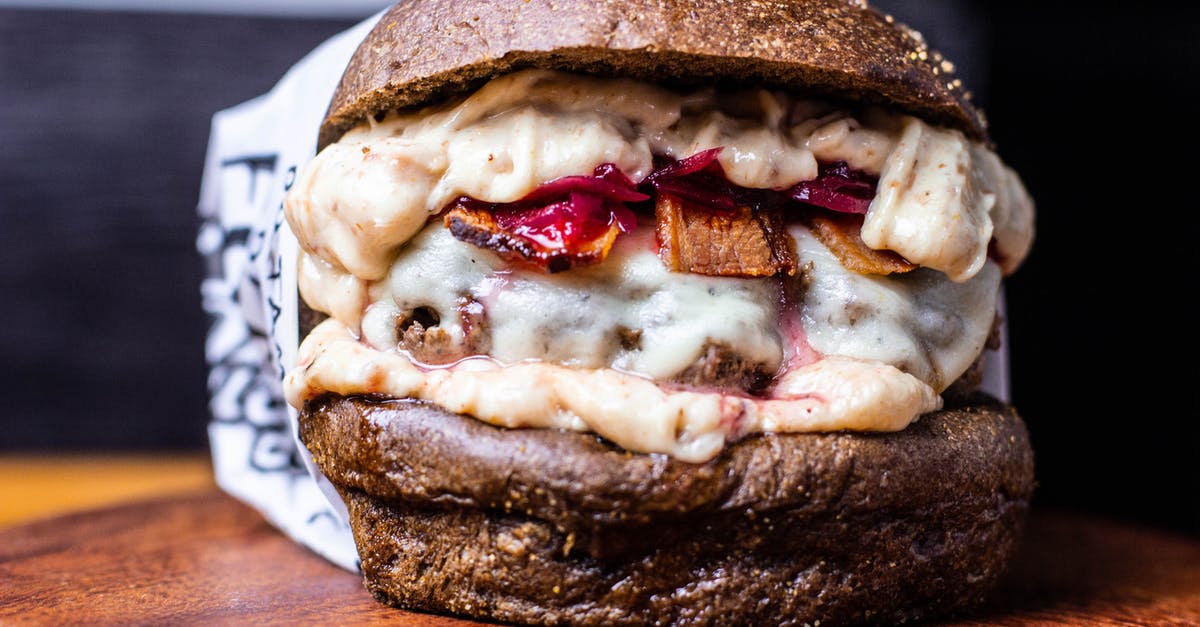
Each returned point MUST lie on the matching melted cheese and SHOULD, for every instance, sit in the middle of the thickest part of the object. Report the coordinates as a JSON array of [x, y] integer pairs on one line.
[[861, 353], [939, 198], [578, 318], [634, 412], [919, 322]]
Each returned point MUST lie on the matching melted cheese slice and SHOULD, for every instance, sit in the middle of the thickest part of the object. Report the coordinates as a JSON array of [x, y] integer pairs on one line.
[[919, 322], [581, 318]]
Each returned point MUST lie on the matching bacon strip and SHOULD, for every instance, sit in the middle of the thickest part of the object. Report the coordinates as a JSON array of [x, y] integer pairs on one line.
[[841, 234], [742, 243], [478, 226]]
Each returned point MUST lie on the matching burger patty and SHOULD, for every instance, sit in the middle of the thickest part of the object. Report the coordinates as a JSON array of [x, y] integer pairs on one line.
[[722, 367], [719, 365], [543, 526], [419, 334]]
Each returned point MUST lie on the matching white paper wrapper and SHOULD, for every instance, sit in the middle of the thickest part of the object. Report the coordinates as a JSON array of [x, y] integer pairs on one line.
[[254, 153]]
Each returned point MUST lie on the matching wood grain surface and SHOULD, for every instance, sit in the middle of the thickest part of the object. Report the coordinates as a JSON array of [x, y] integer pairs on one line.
[[196, 558], [203, 557]]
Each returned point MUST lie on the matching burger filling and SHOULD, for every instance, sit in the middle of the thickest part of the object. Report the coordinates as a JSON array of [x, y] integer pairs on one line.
[[671, 271]]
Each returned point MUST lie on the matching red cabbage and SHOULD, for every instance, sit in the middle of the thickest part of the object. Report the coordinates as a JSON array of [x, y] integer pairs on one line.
[[581, 217], [701, 180], [570, 209], [838, 187], [607, 182]]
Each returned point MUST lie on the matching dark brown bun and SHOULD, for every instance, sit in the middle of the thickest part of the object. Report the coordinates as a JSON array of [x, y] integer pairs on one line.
[[425, 50], [453, 515]]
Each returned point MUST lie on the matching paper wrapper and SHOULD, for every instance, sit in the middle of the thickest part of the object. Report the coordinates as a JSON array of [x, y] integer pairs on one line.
[[254, 152], [250, 293]]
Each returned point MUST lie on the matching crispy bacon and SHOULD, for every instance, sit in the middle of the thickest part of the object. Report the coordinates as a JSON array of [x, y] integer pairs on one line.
[[744, 242], [706, 224], [565, 223], [709, 225], [841, 233], [478, 226]]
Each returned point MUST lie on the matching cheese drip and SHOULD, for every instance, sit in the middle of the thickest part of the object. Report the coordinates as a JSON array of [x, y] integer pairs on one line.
[[854, 352]]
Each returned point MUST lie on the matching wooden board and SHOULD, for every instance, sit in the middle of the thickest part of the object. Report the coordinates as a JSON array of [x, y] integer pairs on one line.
[[204, 557]]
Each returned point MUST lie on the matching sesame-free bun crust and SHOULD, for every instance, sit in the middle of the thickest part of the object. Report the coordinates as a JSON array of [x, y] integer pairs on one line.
[[541, 526], [422, 51]]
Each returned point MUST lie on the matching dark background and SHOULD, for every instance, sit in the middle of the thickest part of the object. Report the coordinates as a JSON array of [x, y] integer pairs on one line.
[[104, 121]]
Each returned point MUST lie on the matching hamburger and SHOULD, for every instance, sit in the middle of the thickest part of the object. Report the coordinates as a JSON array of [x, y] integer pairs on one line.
[[667, 312]]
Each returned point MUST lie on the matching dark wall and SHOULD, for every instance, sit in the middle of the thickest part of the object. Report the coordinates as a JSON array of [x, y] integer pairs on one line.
[[1092, 104], [104, 120], [104, 123]]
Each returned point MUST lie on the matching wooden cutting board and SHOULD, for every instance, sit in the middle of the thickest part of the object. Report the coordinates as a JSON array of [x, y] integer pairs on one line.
[[204, 557]]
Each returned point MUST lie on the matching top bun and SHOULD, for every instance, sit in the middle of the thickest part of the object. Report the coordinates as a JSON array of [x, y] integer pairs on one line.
[[422, 51]]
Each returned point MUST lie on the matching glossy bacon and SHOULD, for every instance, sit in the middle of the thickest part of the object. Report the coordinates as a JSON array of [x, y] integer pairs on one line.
[[533, 246], [706, 224], [565, 223], [744, 242], [841, 234]]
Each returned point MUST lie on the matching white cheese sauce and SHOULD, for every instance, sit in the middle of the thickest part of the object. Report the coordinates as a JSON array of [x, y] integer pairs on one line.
[[939, 199], [919, 322], [873, 351], [832, 394], [577, 318]]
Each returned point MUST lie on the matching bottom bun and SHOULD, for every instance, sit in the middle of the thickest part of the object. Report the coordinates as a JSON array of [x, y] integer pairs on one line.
[[452, 515]]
